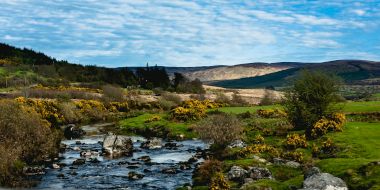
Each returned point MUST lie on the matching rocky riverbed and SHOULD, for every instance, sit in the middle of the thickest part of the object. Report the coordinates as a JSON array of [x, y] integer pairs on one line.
[[161, 168]]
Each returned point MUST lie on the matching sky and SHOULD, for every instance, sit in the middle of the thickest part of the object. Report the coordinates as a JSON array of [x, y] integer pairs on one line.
[[119, 33]]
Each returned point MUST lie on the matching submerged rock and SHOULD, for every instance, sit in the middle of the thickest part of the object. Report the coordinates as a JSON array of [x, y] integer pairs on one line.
[[152, 144], [34, 170], [117, 144], [170, 171], [79, 161]]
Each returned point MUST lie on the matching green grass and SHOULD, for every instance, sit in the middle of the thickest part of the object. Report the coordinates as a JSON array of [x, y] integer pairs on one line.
[[237, 110], [362, 107], [137, 123], [2, 70], [376, 95], [360, 145], [7, 89]]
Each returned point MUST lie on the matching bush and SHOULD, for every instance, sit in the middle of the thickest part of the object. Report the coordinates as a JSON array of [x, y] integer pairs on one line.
[[238, 100], [158, 91], [69, 112], [220, 130], [200, 97], [113, 94], [184, 114], [24, 137], [295, 141], [310, 97], [323, 126], [268, 98], [219, 183], [167, 105], [294, 156], [209, 168], [173, 98], [222, 98]]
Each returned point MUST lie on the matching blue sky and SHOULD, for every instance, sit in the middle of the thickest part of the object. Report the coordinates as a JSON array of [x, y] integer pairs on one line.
[[117, 33]]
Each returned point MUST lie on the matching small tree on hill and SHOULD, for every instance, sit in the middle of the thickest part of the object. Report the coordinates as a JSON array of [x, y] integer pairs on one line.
[[310, 97]]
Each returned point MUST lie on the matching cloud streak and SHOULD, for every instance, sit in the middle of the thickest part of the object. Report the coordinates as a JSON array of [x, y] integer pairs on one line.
[[190, 33]]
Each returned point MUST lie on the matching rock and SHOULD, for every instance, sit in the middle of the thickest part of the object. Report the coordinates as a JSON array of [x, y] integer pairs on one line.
[[72, 131], [323, 181], [312, 171], [289, 187], [137, 150], [236, 174], [34, 170], [94, 152], [192, 160], [78, 142], [269, 163], [56, 166], [260, 173], [72, 167], [134, 176], [293, 164], [86, 153], [185, 167], [181, 145], [79, 161], [94, 160], [117, 144], [85, 144], [278, 161], [76, 148], [73, 173], [171, 144], [133, 166], [143, 158], [248, 180], [64, 146], [237, 144], [152, 144], [123, 163], [170, 171], [146, 170], [60, 175]]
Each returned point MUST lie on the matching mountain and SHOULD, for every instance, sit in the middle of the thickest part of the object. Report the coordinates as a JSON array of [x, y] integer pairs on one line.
[[349, 70], [171, 70]]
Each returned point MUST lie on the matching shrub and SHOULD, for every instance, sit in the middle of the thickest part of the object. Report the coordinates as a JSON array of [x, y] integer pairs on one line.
[[268, 98], [258, 148], [167, 105], [276, 113], [258, 139], [323, 126], [153, 118], [184, 114], [222, 98], [172, 97], [310, 97], [294, 156], [69, 112], [238, 100], [63, 97], [220, 130], [158, 91], [24, 137], [219, 183], [295, 141], [209, 168], [113, 94], [200, 97], [267, 132]]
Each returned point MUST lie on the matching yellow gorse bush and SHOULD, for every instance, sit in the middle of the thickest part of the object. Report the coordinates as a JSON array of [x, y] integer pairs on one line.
[[219, 183], [324, 125], [294, 156], [295, 141], [193, 103], [267, 132], [276, 113], [90, 104], [47, 110], [184, 114], [153, 118], [259, 139], [258, 148], [40, 86]]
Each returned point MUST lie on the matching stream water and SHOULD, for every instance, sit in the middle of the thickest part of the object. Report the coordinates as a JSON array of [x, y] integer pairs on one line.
[[107, 174]]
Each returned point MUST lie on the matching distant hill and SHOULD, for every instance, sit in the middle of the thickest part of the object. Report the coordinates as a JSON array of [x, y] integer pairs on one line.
[[349, 70], [171, 70]]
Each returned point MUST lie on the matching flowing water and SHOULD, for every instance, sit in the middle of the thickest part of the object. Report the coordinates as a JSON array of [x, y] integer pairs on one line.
[[107, 174]]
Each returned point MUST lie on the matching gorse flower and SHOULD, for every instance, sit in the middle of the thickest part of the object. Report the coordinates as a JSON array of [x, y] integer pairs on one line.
[[295, 141]]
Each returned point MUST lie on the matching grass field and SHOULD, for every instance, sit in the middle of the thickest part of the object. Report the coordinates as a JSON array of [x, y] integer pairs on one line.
[[350, 107]]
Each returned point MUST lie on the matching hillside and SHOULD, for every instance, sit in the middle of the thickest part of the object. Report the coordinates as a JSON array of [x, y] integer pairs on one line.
[[351, 71], [240, 71], [171, 70]]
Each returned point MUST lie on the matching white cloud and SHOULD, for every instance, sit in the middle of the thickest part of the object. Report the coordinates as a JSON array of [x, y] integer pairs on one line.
[[270, 16], [359, 12], [313, 20]]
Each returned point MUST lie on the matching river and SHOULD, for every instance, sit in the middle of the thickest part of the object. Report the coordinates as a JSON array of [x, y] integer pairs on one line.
[[107, 174]]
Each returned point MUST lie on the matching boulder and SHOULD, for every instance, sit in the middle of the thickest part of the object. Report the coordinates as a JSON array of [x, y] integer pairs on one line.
[[94, 160], [76, 148], [185, 167], [278, 161], [237, 144], [315, 179], [293, 164], [117, 144], [134, 176], [236, 174], [323, 181], [312, 171], [152, 144], [72, 131], [56, 166], [171, 144], [291, 187], [260, 173]]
